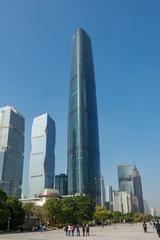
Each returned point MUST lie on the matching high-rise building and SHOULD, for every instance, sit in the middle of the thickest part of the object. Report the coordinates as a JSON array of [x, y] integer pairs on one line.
[[109, 198], [138, 189], [103, 191], [61, 184], [146, 207], [122, 201], [42, 158], [125, 178], [83, 135], [11, 150]]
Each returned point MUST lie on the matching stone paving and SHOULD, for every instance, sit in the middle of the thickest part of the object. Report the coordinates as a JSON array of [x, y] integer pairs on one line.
[[114, 232]]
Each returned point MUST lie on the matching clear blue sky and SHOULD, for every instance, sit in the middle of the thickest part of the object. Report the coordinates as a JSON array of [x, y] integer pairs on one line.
[[35, 47]]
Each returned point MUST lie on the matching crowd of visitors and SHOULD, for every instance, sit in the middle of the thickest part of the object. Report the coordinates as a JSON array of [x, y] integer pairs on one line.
[[74, 230]]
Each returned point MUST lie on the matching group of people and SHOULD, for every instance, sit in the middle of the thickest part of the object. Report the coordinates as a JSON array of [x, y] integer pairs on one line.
[[72, 230], [156, 225]]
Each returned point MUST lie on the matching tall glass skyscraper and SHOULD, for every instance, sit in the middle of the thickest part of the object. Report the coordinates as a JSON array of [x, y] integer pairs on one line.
[[125, 178], [42, 159], [83, 136], [138, 188], [11, 150]]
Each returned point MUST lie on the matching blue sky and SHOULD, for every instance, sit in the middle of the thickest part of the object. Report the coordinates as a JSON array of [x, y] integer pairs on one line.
[[35, 48]]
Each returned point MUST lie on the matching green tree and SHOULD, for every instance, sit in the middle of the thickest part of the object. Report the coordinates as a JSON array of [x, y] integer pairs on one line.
[[4, 211], [117, 216], [53, 211], [101, 214], [17, 213]]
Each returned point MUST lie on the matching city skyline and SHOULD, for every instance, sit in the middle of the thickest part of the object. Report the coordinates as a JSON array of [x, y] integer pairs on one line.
[[34, 60]]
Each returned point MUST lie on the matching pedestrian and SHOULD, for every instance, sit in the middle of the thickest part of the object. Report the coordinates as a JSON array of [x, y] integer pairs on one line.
[[87, 230], [158, 228], [83, 229], [72, 230], [145, 226], [69, 230], [66, 230], [78, 231]]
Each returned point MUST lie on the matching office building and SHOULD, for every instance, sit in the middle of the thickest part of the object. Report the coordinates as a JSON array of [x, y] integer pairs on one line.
[[125, 178], [138, 189], [103, 191], [109, 198], [61, 184], [42, 158], [11, 150], [122, 202], [83, 134]]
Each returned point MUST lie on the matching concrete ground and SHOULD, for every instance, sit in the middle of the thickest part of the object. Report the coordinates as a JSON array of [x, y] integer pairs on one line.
[[116, 232]]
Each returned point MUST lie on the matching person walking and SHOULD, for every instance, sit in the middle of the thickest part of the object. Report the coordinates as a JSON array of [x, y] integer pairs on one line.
[[78, 231], [87, 230], [83, 229], [145, 226], [158, 228]]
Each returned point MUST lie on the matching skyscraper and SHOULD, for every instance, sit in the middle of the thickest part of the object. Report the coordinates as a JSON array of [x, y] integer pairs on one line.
[[11, 150], [138, 188], [61, 184], [42, 159], [125, 178], [83, 136], [103, 191]]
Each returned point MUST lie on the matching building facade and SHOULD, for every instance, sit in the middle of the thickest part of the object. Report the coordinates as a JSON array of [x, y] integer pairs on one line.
[[11, 150], [109, 198], [42, 158], [61, 184], [125, 180], [83, 134], [103, 191], [138, 189], [122, 202]]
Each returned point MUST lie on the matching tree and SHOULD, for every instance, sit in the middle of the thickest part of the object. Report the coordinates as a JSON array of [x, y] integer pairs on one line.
[[53, 211], [117, 216], [4, 211], [17, 213], [101, 214], [77, 209]]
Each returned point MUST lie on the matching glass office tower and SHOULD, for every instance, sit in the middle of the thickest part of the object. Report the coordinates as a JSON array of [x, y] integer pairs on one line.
[[61, 184], [42, 159], [138, 188], [83, 136], [125, 178], [11, 150]]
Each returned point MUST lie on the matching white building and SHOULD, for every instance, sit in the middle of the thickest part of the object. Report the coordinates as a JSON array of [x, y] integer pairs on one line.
[[42, 159], [122, 202]]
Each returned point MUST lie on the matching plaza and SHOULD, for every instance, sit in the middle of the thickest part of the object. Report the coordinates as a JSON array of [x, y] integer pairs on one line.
[[114, 232]]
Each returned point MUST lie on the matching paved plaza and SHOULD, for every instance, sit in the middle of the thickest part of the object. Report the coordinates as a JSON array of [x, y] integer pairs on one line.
[[118, 232]]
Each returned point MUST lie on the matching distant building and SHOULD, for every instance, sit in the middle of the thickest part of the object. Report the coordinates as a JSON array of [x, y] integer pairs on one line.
[[153, 212], [125, 178], [103, 193], [122, 202], [146, 207], [83, 133], [42, 159], [109, 198], [41, 199], [138, 189], [61, 184], [11, 150]]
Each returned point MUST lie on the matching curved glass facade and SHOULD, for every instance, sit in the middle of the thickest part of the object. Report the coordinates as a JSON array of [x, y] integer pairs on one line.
[[42, 159], [83, 137]]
